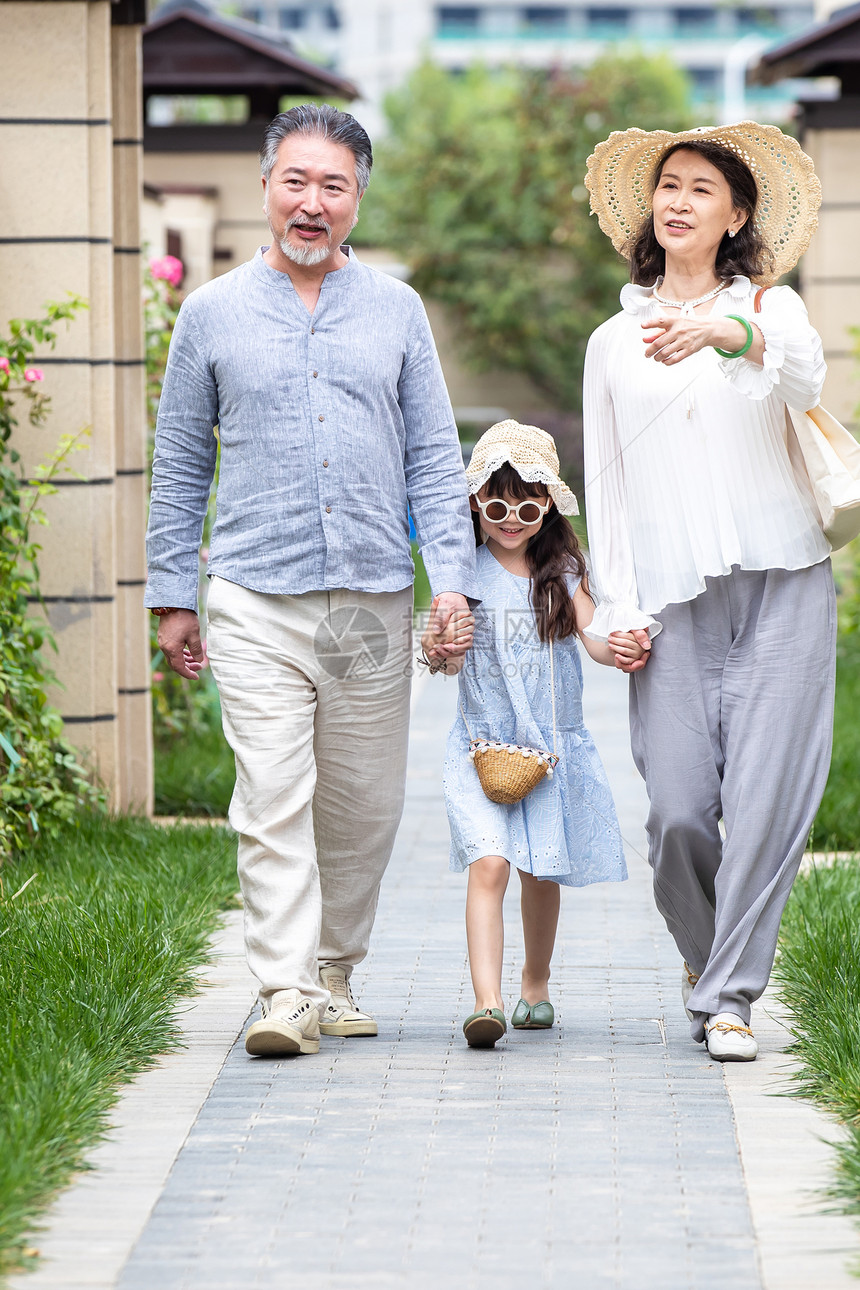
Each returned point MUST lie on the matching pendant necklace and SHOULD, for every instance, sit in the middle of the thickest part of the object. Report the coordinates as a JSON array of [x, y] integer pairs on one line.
[[686, 306]]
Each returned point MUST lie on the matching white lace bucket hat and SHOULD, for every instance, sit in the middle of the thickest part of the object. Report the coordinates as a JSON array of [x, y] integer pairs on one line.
[[621, 168], [531, 452]]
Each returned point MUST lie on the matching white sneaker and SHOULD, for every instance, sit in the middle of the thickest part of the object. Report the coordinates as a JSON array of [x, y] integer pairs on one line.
[[342, 1016], [728, 1039], [689, 981], [290, 1024]]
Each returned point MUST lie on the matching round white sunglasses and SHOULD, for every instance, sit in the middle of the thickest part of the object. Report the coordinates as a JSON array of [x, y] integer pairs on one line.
[[496, 511]]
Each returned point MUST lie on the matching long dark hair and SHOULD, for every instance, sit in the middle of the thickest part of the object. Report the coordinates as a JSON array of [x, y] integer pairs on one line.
[[551, 554], [746, 254]]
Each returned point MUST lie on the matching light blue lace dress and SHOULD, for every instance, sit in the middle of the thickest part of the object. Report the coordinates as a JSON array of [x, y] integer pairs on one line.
[[566, 829]]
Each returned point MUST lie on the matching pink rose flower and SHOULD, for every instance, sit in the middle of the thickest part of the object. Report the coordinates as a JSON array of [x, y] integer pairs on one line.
[[4, 363], [158, 676], [33, 374], [167, 268]]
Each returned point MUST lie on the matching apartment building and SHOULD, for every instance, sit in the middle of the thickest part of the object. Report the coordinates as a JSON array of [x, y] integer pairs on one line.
[[377, 42]]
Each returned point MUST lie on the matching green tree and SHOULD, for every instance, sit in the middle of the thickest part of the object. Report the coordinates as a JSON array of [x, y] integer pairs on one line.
[[480, 188]]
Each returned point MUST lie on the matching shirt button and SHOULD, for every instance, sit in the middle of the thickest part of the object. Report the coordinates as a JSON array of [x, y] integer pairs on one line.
[[328, 509], [312, 330], [316, 373], [322, 418], [325, 463]]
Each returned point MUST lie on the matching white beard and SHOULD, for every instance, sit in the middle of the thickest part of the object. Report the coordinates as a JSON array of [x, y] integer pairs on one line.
[[305, 256]]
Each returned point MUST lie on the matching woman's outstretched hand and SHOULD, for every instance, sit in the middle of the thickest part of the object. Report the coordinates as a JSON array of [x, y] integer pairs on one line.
[[670, 340]]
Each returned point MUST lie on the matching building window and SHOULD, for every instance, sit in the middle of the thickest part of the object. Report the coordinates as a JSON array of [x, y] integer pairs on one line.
[[756, 19], [173, 239], [608, 23], [694, 22], [544, 18], [461, 20], [254, 14], [291, 19], [706, 80], [331, 18]]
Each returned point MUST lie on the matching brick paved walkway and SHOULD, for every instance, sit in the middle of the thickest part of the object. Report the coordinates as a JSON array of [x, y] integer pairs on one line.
[[609, 1152], [585, 1156]]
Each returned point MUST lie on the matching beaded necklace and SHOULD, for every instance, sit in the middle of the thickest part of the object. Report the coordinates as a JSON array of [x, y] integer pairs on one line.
[[686, 306]]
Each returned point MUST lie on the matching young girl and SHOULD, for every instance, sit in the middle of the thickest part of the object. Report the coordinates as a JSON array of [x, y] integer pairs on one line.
[[531, 577]]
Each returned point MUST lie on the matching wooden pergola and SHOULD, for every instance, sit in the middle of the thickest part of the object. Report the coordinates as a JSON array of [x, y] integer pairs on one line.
[[189, 50], [203, 176], [830, 48]]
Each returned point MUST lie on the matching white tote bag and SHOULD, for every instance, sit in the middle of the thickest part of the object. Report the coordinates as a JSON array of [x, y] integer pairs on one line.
[[831, 458]]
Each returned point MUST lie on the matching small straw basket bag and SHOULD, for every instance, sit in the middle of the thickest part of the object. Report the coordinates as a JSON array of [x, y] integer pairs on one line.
[[509, 772]]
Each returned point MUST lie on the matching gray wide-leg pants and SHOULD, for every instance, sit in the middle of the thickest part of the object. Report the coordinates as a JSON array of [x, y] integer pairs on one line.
[[732, 719]]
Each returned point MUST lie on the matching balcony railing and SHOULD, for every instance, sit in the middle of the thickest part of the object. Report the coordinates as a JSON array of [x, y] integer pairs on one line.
[[673, 33]]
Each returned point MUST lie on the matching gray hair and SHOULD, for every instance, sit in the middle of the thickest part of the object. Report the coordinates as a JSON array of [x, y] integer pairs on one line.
[[326, 122]]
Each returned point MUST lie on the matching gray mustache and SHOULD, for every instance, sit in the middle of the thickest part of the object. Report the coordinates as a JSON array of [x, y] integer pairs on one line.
[[308, 223]]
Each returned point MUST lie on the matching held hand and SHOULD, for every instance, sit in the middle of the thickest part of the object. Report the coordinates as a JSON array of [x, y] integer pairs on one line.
[[632, 649], [452, 626], [179, 642], [430, 645]]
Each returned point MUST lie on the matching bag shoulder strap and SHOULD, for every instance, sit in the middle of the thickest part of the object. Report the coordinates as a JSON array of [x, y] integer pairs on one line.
[[552, 687], [757, 301]]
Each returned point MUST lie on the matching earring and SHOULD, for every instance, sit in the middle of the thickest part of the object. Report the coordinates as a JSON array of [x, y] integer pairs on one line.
[[732, 232]]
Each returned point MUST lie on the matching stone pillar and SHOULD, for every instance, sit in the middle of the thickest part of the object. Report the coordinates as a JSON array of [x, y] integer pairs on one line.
[[134, 710], [830, 270], [69, 84]]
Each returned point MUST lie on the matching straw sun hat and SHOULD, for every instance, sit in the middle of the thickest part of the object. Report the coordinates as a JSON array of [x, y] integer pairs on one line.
[[532, 454], [789, 193]]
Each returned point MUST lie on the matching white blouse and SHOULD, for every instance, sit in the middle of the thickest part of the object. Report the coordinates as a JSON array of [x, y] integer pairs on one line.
[[687, 468]]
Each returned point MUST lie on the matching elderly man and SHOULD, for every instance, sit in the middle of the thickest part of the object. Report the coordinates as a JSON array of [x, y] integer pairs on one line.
[[333, 418]]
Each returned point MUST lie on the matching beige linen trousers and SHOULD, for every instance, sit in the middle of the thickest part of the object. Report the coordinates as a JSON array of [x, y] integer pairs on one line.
[[315, 704]]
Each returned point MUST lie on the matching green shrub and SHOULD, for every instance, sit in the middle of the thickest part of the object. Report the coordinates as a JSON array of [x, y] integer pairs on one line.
[[42, 782], [478, 185]]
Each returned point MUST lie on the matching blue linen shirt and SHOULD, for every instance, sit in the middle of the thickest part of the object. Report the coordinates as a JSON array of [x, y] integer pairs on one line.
[[330, 424]]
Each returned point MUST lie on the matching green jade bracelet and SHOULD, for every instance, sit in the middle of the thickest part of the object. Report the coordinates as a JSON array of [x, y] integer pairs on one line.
[[738, 353]]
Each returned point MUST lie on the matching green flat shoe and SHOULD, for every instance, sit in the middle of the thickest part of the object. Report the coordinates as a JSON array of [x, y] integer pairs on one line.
[[533, 1016], [482, 1029]]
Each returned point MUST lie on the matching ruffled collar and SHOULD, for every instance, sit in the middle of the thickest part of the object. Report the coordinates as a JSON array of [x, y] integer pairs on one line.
[[636, 299]]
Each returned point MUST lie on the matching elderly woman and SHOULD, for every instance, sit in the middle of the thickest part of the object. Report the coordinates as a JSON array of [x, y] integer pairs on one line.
[[703, 528]]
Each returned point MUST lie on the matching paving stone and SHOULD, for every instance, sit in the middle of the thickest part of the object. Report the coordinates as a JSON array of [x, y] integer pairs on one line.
[[574, 1156], [585, 1156]]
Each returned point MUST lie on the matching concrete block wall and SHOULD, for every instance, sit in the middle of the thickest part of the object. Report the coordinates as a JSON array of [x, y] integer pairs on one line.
[[70, 134], [830, 270]]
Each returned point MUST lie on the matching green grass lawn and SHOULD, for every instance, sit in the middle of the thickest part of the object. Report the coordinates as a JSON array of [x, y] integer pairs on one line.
[[194, 774], [818, 972], [838, 824], [100, 933]]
